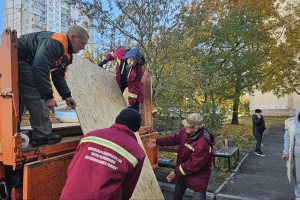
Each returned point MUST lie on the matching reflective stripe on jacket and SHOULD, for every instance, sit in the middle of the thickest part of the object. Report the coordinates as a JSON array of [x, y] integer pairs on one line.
[[47, 52], [106, 165]]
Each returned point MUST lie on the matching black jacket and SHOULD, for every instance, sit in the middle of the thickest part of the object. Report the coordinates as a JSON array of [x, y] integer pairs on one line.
[[47, 52], [258, 123]]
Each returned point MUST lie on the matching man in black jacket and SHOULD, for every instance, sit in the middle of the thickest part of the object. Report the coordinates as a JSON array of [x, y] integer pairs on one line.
[[40, 55], [258, 128]]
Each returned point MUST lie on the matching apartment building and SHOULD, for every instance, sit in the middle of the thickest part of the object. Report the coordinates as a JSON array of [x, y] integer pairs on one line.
[[27, 16]]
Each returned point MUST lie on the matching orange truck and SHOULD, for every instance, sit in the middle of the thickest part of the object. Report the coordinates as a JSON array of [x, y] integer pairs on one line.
[[41, 172]]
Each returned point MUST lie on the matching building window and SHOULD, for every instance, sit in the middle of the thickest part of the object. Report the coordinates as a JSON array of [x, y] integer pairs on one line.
[[63, 21], [26, 21], [57, 6], [42, 19], [50, 22], [50, 28], [27, 1], [41, 12], [57, 1], [63, 15], [50, 9], [50, 3], [64, 10], [57, 24], [57, 30], [50, 15], [57, 18], [42, 1], [56, 12]]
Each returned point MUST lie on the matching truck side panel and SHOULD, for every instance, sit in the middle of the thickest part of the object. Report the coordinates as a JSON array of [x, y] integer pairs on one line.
[[45, 179]]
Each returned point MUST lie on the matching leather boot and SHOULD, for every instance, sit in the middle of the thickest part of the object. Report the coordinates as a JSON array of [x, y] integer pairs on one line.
[[37, 142], [52, 139]]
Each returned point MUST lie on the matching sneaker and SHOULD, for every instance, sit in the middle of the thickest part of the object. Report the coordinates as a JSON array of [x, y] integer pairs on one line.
[[259, 153]]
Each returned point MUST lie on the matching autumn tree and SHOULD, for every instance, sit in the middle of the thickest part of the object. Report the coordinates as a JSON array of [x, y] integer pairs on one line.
[[232, 56], [150, 25]]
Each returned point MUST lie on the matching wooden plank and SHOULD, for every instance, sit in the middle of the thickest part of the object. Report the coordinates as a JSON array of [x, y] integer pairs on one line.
[[99, 101], [54, 126]]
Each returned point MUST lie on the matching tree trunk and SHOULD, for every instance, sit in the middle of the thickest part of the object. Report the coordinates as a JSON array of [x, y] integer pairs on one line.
[[213, 109], [235, 108]]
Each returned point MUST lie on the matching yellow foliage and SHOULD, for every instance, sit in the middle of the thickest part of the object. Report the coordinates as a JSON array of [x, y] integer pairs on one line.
[[240, 132]]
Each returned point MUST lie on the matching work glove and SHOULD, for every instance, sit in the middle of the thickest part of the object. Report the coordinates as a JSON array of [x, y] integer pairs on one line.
[[103, 62]]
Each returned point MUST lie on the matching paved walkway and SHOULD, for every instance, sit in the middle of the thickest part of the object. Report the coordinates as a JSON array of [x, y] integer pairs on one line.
[[263, 177]]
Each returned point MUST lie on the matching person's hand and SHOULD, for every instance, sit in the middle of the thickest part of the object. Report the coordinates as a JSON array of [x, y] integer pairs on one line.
[[285, 157], [51, 104], [151, 143], [259, 115], [171, 176], [70, 102], [103, 62]]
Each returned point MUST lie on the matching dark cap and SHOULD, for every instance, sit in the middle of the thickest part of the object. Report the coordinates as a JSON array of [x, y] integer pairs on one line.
[[257, 110], [130, 118]]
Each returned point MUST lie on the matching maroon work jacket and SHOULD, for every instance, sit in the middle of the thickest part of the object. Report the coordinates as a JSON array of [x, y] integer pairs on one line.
[[194, 158], [134, 81], [106, 165]]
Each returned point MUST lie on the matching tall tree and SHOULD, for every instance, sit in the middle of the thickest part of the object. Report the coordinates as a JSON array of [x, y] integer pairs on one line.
[[151, 25], [232, 56]]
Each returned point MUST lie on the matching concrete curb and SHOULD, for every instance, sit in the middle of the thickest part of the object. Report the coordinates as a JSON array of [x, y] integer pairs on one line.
[[168, 187], [232, 175]]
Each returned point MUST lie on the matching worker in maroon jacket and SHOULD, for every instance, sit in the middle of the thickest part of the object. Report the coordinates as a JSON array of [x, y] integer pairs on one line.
[[194, 159], [129, 73], [108, 162]]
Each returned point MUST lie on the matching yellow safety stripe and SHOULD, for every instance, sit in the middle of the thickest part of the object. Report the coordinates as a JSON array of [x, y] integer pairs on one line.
[[181, 170], [119, 61], [189, 146], [132, 95], [112, 53], [113, 146]]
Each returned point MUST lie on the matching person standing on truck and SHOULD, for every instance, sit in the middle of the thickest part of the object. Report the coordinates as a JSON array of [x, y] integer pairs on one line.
[[40, 55], [129, 73], [107, 162], [194, 158]]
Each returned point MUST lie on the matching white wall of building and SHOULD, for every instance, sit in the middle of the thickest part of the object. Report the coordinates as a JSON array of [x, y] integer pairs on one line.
[[271, 105]]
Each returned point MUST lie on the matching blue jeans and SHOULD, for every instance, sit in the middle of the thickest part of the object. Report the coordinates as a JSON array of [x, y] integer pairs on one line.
[[258, 137], [180, 191], [297, 176]]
